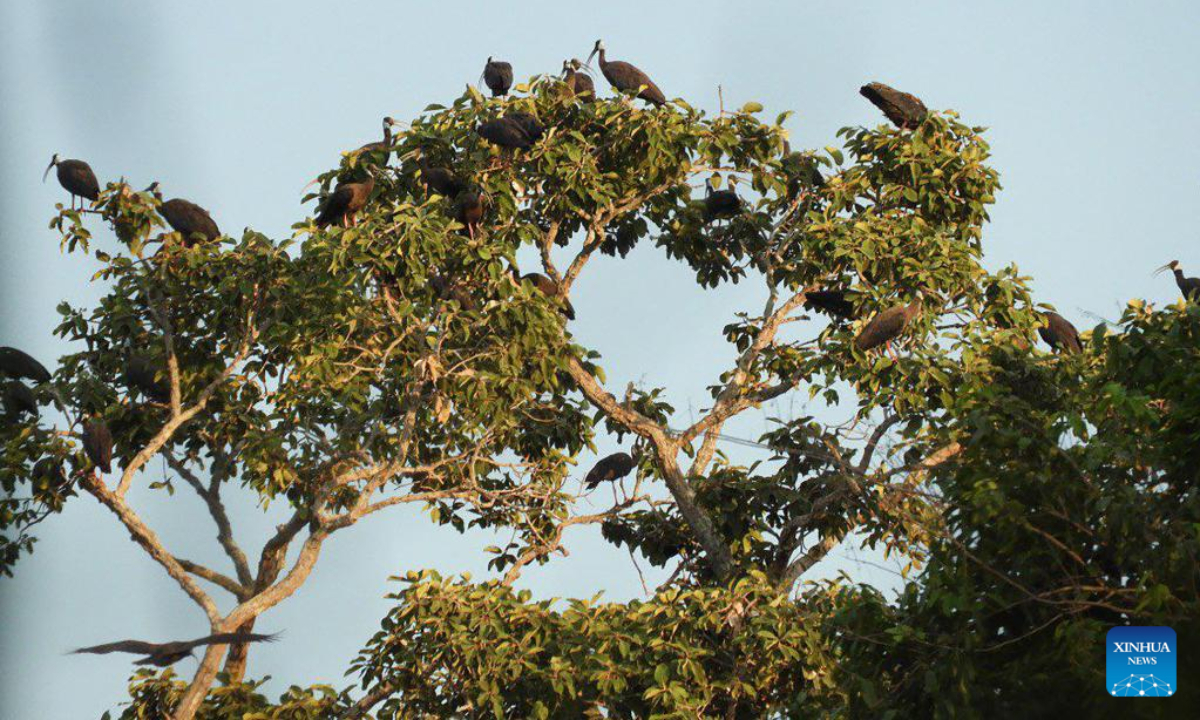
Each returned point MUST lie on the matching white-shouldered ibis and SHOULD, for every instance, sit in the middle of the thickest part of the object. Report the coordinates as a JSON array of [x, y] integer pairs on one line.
[[721, 204], [578, 82], [628, 78], [609, 469], [468, 209], [76, 177], [906, 111], [550, 289], [1059, 333], [505, 132], [498, 76], [344, 203], [192, 222], [888, 325], [165, 654], [18, 399], [98, 444], [1189, 286], [20, 364], [831, 302]]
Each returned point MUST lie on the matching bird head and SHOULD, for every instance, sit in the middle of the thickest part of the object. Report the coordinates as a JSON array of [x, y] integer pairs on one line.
[[1169, 266], [489, 60], [152, 188], [598, 48], [53, 161]]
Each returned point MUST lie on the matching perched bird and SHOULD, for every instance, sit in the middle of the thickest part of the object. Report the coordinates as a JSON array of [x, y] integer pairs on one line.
[[468, 210], [447, 289], [18, 398], [627, 78], [610, 469], [579, 83], [98, 444], [506, 133], [1060, 334], [904, 110], [550, 289], [530, 124], [18, 364], [49, 471], [164, 654], [1189, 286], [831, 302], [440, 180], [887, 325], [343, 204], [498, 76], [76, 177], [720, 204], [383, 146], [802, 170], [192, 222], [142, 375]]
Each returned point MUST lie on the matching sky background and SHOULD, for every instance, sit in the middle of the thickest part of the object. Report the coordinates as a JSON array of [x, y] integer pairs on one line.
[[1092, 111]]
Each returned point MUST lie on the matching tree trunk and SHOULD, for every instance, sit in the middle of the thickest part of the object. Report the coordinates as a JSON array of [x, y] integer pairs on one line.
[[235, 661], [194, 696]]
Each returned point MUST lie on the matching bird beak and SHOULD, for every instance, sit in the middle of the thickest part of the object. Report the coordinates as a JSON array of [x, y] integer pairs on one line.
[[314, 181], [47, 171], [1163, 269], [589, 60]]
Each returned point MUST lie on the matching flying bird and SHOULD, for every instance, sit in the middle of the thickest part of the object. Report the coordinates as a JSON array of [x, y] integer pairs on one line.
[[610, 469], [904, 110], [627, 78], [192, 222], [1060, 334], [887, 325], [164, 654], [19, 364], [1189, 286], [343, 204], [76, 177], [98, 444], [498, 76]]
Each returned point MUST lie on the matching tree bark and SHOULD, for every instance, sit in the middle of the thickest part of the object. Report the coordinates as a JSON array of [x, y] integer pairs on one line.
[[235, 661]]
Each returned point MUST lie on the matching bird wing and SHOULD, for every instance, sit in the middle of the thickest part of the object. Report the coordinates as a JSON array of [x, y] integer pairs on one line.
[[231, 637], [138, 647]]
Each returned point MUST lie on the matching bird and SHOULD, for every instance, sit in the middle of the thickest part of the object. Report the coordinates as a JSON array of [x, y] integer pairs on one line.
[[831, 302], [447, 289], [385, 145], [529, 123], [141, 374], [440, 180], [343, 204], [904, 110], [610, 469], [802, 171], [18, 398], [468, 210], [550, 289], [164, 654], [76, 177], [192, 222], [1059, 333], [506, 133], [19, 364], [98, 444], [49, 471], [1189, 286], [627, 78], [579, 83], [720, 203], [498, 76], [887, 325]]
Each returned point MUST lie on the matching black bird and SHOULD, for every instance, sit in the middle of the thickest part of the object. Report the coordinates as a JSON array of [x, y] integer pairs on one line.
[[447, 289], [627, 78], [192, 222], [440, 180], [18, 398], [49, 471], [98, 444], [498, 76], [1060, 334], [164, 654], [528, 123], [468, 210], [831, 302], [579, 83], [142, 375], [76, 177], [383, 146], [18, 364], [343, 204], [887, 325], [506, 133], [550, 289], [720, 204], [1189, 286], [904, 110], [610, 469]]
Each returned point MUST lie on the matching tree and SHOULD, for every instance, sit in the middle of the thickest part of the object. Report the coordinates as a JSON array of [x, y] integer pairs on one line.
[[401, 360]]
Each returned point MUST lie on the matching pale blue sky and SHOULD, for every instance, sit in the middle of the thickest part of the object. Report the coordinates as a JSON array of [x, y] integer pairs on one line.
[[1092, 109]]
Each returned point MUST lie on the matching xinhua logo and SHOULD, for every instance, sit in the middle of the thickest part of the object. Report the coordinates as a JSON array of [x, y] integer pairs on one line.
[[1141, 662]]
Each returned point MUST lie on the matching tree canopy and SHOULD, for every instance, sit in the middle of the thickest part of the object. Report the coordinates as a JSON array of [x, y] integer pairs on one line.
[[1038, 498]]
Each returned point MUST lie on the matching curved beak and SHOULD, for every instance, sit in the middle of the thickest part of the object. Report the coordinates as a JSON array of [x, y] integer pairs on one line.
[[589, 60], [1163, 269], [312, 182], [47, 171]]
